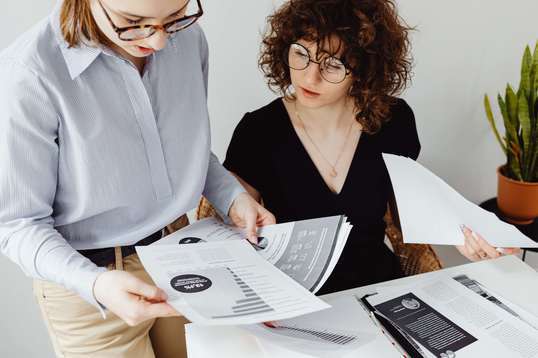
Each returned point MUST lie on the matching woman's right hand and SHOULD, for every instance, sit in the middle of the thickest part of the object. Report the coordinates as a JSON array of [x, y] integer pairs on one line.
[[130, 298]]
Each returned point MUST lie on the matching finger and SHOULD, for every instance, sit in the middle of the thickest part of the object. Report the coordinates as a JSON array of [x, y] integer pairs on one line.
[[250, 225], [485, 246], [468, 252], [265, 217], [472, 245], [147, 291], [511, 250], [162, 309]]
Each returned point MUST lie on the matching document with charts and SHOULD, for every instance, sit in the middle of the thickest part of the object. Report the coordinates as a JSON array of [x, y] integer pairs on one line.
[[305, 250], [213, 275]]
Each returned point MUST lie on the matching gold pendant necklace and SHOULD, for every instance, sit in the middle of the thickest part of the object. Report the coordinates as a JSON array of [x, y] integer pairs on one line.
[[333, 173]]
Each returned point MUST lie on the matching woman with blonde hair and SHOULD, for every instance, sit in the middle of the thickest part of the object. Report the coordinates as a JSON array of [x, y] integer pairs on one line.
[[104, 141]]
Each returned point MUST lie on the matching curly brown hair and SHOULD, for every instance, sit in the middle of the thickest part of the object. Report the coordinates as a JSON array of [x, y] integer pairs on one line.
[[375, 49]]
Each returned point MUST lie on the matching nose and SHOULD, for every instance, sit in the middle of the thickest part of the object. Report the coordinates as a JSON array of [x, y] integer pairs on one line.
[[312, 73], [158, 40]]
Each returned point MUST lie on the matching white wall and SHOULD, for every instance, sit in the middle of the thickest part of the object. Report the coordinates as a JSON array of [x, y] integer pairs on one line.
[[462, 49]]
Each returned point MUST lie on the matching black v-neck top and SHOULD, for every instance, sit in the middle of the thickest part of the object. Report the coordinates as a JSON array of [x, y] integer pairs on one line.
[[266, 152]]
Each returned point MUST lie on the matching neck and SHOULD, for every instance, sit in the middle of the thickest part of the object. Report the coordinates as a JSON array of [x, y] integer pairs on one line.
[[328, 118]]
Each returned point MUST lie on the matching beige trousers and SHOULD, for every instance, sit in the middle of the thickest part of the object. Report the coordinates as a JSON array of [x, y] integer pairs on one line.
[[77, 329]]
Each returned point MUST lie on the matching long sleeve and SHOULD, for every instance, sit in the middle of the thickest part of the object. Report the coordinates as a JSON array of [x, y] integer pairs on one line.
[[29, 155], [221, 188]]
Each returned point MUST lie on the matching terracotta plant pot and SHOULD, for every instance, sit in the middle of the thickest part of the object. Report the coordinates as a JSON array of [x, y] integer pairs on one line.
[[517, 201]]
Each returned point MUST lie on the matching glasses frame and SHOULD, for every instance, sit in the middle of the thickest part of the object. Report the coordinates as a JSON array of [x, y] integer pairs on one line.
[[121, 30], [319, 63]]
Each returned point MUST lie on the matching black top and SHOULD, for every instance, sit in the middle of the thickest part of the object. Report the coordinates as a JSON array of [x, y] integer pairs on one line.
[[266, 152]]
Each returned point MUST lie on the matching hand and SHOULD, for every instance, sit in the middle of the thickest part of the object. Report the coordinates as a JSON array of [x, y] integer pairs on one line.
[[130, 298], [247, 213], [476, 248]]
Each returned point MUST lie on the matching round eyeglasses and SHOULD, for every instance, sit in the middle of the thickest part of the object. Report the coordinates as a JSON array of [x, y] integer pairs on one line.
[[331, 68], [193, 11]]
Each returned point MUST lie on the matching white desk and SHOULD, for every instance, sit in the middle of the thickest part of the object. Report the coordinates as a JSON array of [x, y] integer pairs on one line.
[[508, 276]]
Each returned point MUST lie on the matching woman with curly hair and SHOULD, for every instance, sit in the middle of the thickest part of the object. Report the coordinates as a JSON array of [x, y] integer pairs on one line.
[[316, 151]]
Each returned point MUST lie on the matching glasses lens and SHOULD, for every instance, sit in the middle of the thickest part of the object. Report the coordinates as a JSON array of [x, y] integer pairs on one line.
[[298, 57], [333, 70], [191, 10], [180, 25], [137, 34]]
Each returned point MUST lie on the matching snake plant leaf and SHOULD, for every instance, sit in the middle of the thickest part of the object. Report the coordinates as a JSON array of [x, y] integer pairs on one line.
[[534, 81], [514, 162], [491, 121], [511, 122], [526, 63], [525, 124]]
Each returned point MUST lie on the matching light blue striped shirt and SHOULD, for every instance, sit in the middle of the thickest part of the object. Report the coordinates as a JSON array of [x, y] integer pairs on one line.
[[92, 154]]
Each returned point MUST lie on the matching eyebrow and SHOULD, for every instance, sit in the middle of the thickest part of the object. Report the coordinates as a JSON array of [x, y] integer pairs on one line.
[[126, 14]]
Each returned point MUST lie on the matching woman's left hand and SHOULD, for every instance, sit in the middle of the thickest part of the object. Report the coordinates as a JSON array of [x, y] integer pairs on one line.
[[476, 248], [247, 213]]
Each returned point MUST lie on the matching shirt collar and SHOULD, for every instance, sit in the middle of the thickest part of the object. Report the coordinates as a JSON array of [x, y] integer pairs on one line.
[[79, 58]]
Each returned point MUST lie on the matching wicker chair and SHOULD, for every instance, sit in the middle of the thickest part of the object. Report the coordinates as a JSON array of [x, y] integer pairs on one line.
[[414, 258]]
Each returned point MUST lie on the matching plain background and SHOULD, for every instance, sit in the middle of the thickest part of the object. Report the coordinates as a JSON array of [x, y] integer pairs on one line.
[[462, 49]]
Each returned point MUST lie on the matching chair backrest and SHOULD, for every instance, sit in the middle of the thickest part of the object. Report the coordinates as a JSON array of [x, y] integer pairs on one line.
[[414, 258]]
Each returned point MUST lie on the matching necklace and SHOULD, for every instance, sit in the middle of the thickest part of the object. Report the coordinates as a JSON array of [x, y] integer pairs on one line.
[[333, 172]]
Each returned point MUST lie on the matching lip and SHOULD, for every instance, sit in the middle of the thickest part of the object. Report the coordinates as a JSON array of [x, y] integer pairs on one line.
[[308, 93], [145, 50]]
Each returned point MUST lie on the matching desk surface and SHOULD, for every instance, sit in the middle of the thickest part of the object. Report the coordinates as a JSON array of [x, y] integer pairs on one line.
[[508, 276]]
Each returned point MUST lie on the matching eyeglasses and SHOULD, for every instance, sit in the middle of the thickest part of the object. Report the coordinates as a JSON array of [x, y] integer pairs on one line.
[[331, 69], [140, 32]]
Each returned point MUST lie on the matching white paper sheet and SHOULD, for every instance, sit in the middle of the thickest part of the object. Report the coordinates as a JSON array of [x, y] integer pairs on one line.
[[331, 333], [431, 212], [225, 283]]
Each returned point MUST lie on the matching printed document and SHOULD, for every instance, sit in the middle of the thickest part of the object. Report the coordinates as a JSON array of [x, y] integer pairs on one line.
[[214, 275], [225, 283], [331, 333], [446, 319], [305, 250]]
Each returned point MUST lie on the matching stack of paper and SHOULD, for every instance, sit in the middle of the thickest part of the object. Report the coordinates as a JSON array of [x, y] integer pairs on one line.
[[455, 317], [213, 275]]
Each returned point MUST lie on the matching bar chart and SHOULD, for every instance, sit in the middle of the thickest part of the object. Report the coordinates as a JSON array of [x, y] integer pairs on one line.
[[250, 303]]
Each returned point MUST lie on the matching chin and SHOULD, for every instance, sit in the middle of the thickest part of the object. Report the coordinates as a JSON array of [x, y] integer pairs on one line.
[[310, 102]]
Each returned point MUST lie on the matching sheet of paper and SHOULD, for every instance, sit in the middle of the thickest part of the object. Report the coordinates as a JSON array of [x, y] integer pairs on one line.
[[305, 250], [431, 212], [445, 317], [331, 333], [225, 283]]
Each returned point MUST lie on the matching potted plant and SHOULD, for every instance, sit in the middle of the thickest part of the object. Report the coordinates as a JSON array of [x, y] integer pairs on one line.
[[517, 191]]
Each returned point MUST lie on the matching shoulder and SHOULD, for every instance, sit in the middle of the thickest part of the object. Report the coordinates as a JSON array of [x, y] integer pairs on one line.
[[400, 118], [36, 50], [401, 115], [264, 119], [398, 135]]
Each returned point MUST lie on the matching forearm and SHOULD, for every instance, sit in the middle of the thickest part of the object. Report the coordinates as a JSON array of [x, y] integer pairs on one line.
[[42, 253], [221, 187]]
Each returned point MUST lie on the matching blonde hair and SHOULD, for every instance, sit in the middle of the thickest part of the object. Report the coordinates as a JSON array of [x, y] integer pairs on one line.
[[78, 25]]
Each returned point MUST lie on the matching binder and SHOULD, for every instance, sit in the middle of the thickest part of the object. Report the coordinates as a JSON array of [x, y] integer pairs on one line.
[[405, 344]]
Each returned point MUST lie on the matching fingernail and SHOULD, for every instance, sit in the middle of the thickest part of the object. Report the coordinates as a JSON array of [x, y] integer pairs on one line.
[[462, 228]]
